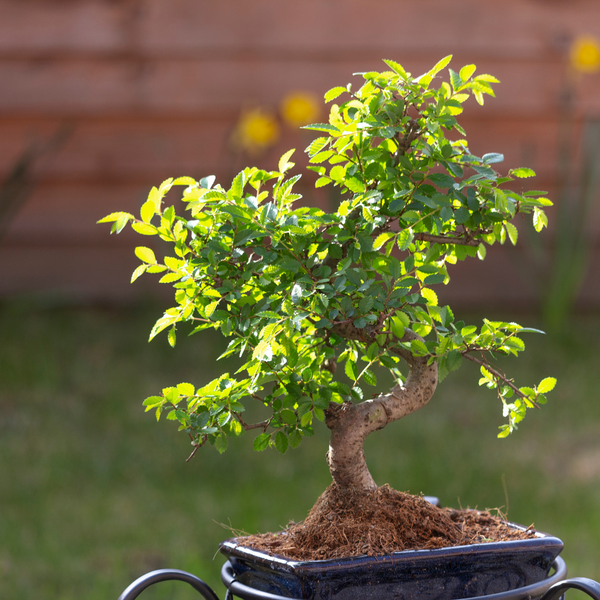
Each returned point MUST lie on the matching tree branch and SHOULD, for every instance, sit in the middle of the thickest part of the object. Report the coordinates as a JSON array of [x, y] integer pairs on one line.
[[351, 423], [249, 426]]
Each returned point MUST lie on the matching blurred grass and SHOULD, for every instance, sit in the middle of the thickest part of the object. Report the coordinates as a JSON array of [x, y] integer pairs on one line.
[[94, 493]]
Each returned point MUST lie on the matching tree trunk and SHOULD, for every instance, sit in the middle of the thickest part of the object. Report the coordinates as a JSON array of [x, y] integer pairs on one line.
[[351, 423]]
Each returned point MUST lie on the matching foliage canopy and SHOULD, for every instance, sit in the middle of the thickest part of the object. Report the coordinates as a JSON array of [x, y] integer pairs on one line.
[[300, 291]]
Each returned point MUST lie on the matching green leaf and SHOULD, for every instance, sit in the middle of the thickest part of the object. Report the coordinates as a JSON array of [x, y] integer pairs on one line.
[[207, 182], [397, 326], [322, 127], [221, 443], [369, 377], [366, 304], [372, 350], [152, 401], [288, 416], [296, 294], [455, 79], [434, 279], [223, 419], [351, 370], [492, 157], [237, 186], [453, 360], [295, 438], [546, 385], [262, 442], [405, 239], [281, 442]]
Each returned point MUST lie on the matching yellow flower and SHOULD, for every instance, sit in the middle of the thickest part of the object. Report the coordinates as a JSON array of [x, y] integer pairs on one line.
[[256, 130], [300, 108], [585, 54]]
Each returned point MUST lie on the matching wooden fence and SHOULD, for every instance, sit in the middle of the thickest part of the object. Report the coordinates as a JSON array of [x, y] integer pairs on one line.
[[140, 90]]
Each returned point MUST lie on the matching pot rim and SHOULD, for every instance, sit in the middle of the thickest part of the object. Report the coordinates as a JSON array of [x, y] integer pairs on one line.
[[232, 547]]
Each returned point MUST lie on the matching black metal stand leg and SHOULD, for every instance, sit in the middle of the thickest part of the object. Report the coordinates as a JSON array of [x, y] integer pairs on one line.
[[589, 586], [140, 584]]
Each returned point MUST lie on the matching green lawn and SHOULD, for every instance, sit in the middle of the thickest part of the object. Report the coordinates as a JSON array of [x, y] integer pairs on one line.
[[93, 492]]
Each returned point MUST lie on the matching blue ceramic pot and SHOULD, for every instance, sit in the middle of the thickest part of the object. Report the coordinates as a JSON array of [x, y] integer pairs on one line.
[[442, 574]]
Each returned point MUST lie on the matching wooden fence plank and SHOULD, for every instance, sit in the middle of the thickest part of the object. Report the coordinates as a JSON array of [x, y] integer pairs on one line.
[[104, 86]]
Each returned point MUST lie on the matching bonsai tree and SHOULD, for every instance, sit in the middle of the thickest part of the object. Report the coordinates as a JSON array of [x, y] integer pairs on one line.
[[313, 301]]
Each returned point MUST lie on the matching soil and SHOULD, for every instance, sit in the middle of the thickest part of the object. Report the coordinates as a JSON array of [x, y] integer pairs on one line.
[[352, 522]]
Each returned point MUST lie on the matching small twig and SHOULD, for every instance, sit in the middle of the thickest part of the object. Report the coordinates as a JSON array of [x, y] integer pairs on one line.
[[196, 447], [500, 376], [442, 239]]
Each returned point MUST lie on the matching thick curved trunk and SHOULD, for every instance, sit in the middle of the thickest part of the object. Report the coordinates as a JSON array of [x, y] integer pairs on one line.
[[351, 423]]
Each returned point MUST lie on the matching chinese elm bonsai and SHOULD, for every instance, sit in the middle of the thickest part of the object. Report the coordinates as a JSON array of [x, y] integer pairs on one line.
[[313, 301]]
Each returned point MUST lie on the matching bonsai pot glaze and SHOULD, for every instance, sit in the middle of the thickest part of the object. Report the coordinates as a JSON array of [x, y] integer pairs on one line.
[[442, 574]]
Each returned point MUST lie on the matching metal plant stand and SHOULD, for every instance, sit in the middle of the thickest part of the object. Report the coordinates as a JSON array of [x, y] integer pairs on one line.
[[551, 588]]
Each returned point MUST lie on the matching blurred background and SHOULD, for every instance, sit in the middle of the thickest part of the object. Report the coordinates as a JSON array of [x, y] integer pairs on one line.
[[102, 99]]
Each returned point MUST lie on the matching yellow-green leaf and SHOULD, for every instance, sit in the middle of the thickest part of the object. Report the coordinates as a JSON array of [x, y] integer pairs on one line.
[[155, 197], [522, 172], [170, 278], [171, 336], [186, 389], [430, 296], [210, 309], [380, 240], [467, 71], [143, 228], [165, 186], [540, 220], [145, 254], [147, 211], [546, 385], [115, 216], [284, 163], [184, 181], [513, 233], [262, 351], [139, 271]]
